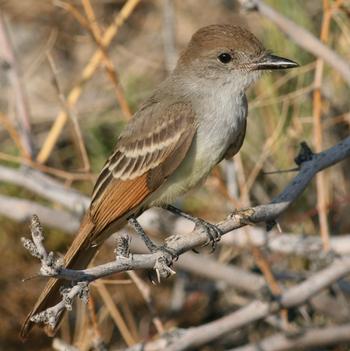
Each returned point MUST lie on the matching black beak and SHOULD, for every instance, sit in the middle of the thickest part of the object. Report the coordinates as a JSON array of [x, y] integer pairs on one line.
[[274, 62]]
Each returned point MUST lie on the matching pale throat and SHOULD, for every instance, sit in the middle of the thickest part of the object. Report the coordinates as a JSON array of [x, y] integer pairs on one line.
[[222, 107]]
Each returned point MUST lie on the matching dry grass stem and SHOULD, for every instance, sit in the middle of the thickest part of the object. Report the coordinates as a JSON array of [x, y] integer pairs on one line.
[[322, 191], [267, 148], [12, 131], [59, 173], [93, 319], [70, 113], [96, 34], [86, 75], [146, 294], [115, 314]]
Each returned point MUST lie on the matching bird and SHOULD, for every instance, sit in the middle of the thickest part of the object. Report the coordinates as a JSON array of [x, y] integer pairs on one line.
[[193, 120]]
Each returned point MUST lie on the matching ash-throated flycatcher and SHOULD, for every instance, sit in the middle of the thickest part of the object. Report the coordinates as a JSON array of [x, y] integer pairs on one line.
[[192, 121]]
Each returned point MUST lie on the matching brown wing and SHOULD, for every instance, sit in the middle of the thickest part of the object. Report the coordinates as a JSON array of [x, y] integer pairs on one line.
[[151, 147]]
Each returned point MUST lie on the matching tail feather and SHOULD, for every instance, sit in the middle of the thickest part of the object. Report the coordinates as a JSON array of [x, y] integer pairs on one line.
[[78, 256]]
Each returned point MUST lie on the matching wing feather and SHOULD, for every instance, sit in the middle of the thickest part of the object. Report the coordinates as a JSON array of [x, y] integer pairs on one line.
[[142, 160]]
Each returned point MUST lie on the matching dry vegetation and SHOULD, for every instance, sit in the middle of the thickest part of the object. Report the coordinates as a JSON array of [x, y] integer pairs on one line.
[[71, 76]]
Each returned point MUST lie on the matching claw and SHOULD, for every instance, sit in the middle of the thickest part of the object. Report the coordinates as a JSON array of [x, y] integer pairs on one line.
[[158, 275], [212, 231], [162, 268]]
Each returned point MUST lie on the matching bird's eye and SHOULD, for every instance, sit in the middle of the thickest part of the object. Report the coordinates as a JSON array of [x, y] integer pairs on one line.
[[225, 57]]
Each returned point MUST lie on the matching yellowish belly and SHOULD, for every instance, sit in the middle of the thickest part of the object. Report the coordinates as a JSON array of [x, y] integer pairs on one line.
[[191, 173]]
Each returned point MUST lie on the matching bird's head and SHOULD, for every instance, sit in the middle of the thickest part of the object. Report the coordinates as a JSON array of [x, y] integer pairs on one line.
[[229, 53]]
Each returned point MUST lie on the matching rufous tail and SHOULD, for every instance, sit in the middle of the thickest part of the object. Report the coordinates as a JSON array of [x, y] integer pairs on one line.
[[78, 256]]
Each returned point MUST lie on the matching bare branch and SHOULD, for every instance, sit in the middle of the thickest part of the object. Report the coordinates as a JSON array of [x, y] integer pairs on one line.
[[45, 186], [287, 243], [21, 210], [309, 338], [50, 265], [161, 261], [51, 315]]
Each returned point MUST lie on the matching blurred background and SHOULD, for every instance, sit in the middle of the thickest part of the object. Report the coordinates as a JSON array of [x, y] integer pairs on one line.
[[62, 108]]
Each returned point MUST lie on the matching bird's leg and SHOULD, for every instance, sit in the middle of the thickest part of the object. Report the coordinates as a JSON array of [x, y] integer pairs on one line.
[[152, 247], [212, 231], [166, 256]]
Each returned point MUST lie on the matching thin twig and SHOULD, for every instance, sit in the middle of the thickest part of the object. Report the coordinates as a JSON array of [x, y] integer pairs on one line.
[[71, 114]]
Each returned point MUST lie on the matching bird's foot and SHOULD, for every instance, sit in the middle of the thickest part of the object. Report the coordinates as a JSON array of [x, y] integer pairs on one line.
[[162, 267], [166, 255], [212, 231]]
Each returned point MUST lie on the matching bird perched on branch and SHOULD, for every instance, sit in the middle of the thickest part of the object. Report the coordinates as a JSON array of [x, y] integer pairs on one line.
[[193, 120]]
